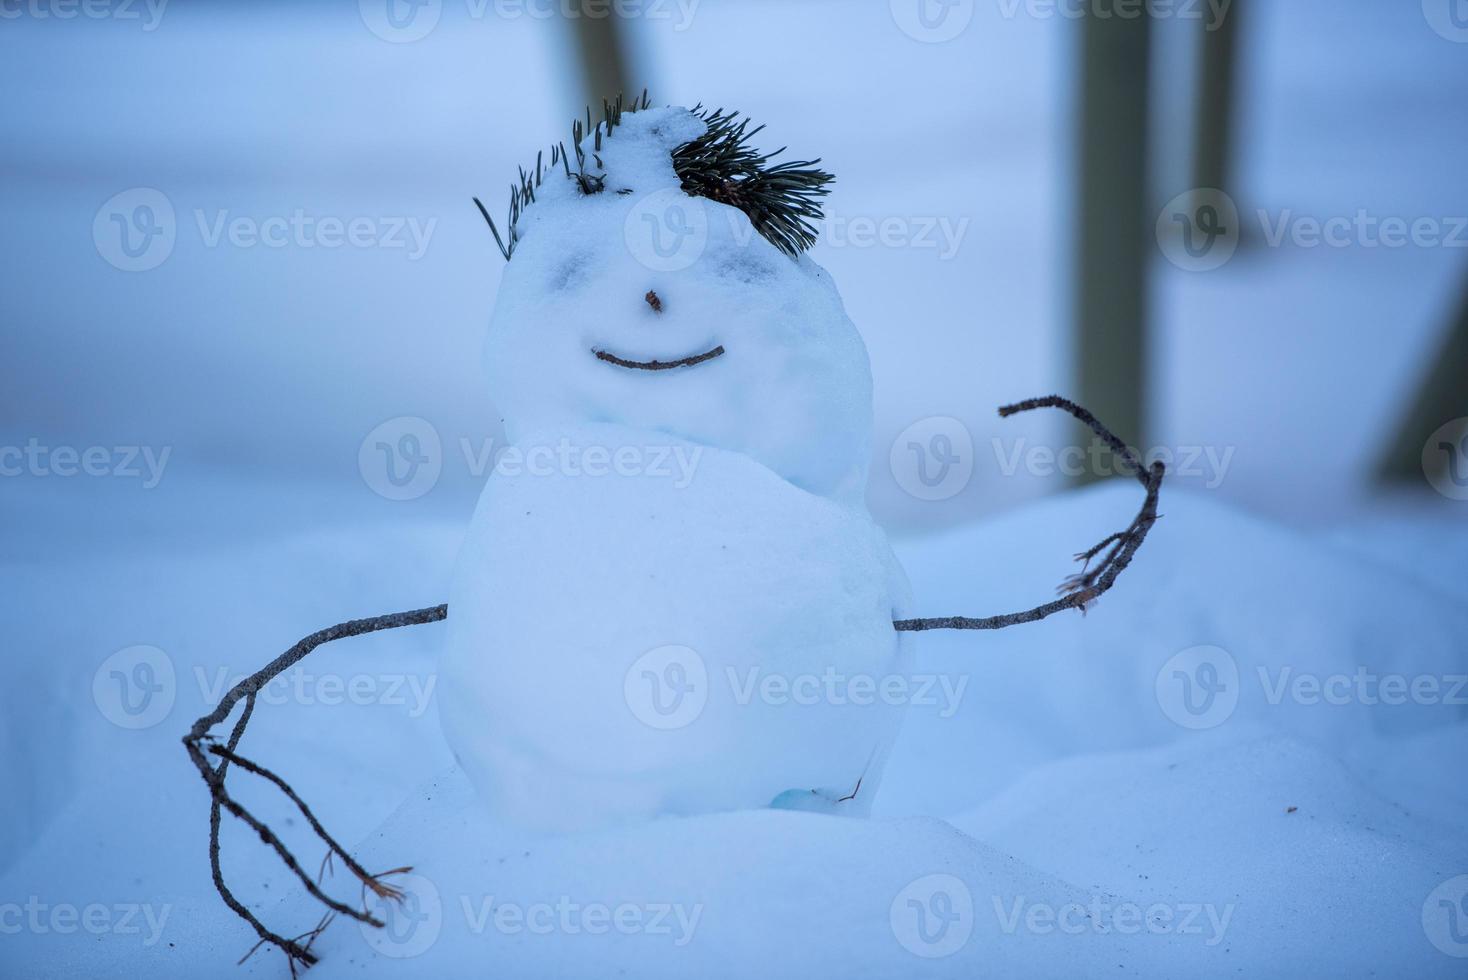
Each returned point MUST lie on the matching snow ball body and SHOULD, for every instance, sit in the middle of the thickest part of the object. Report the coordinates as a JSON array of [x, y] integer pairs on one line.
[[671, 598]]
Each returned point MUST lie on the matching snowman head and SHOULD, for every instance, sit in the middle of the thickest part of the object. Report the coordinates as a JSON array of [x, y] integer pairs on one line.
[[657, 280]]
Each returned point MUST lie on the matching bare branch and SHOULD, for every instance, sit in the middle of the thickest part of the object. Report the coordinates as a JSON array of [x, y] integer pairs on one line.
[[1083, 589], [220, 799]]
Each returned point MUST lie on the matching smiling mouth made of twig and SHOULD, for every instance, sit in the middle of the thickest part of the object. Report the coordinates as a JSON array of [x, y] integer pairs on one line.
[[681, 362]]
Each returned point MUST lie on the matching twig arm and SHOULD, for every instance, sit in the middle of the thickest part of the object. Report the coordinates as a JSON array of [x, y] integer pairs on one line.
[[1082, 589], [200, 744]]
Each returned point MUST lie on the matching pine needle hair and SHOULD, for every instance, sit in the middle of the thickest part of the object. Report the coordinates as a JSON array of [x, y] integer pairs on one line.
[[782, 200]]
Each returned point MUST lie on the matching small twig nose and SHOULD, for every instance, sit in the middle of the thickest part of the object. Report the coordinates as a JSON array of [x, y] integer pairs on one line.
[[654, 301]]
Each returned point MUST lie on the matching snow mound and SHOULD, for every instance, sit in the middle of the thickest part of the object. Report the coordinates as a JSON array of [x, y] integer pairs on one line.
[[1325, 877], [1222, 621], [759, 893]]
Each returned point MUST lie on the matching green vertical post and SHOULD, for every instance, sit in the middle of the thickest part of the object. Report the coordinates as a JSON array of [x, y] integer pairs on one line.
[[1213, 129], [1113, 234], [601, 52], [1442, 397]]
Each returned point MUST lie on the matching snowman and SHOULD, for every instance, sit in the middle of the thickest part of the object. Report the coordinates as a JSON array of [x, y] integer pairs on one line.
[[671, 598]]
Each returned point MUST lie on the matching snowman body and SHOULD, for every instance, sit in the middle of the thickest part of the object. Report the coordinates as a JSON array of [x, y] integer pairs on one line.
[[671, 598]]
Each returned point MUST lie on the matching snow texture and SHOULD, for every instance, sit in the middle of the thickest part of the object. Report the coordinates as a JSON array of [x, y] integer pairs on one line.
[[698, 680], [1289, 839]]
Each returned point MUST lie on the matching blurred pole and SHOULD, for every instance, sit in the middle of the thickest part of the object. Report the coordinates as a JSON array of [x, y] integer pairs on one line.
[[1113, 235], [602, 55], [1442, 397], [1213, 128]]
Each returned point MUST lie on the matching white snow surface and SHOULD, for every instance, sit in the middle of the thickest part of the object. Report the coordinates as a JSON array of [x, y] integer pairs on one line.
[[745, 652], [792, 389], [1059, 822]]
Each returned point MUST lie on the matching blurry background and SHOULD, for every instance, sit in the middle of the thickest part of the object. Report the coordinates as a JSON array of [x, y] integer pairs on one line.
[[1008, 182], [238, 251]]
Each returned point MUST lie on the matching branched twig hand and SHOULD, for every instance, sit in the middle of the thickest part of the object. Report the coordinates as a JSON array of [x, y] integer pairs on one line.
[[1078, 591], [201, 744]]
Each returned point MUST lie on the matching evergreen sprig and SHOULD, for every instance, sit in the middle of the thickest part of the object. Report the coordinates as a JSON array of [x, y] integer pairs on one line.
[[780, 200]]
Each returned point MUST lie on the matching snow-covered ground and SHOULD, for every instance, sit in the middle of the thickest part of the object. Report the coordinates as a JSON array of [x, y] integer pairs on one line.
[[1060, 803]]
